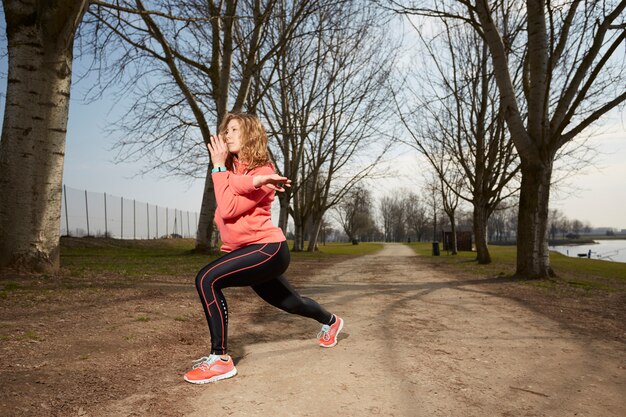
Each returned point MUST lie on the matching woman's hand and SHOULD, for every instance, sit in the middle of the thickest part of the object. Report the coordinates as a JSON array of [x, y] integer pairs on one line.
[[273, 181], [218, 150]]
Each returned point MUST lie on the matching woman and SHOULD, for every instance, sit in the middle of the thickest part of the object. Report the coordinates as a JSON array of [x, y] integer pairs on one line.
[[244, 182]]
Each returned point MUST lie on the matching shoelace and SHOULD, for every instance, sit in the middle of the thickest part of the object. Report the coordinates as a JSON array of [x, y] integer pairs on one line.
[[324, 332], [204, 361]]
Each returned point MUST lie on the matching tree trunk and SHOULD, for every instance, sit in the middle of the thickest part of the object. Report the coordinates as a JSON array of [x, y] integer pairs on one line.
[[298, 224], [453, 243], [32, 149], [298, 241], [283, 216], [434, 223], [480, 234], [206, 226], [315, 232], [533, 258]]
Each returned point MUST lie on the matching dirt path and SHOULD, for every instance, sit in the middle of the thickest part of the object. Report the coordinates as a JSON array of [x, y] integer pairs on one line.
[[418, 343]]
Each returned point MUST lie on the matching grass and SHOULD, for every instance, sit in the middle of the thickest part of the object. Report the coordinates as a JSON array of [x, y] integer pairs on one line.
[[168, 257], [133, 259], [8, 287], [122, 261], [30, 335], [130, 258], [580, 273]]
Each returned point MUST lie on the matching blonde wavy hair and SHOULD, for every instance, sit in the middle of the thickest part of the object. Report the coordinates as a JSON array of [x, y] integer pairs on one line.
[[253, 140]]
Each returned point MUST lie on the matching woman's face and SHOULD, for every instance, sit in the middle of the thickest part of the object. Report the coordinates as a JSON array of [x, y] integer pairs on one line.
[[232, 136]]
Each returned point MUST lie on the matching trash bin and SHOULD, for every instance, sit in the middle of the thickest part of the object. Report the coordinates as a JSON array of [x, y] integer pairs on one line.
[[435, 248]]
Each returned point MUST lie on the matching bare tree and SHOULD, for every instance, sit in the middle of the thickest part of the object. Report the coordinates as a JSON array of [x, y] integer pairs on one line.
[[405, 215], [326, 108], [564, 226], [40, 36], [571, 68], [501, 227], [559, 223], [571, 62], [393, 215], [450, 202], [577, 227], [196, 61], [433, 201], [555, 218], [417, 219], [289, 103], [354, 213], [456, 121], [385, 207]]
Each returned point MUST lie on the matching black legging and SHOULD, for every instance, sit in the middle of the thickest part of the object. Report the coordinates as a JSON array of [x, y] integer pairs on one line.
[[260, 266]]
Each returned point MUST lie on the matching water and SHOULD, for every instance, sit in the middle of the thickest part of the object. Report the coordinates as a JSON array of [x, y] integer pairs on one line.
[[607, 250]]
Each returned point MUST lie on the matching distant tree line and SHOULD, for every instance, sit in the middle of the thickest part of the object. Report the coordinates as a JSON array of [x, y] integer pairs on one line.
[[561, 226], [400, 217], [410, 216]]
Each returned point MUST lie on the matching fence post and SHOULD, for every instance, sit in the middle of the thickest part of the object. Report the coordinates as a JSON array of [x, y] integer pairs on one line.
[[67, 222], [87, 212], [134, 219], [122, 215], [156, 215], [188, 230], [148, 218], [106, 230], [167, 229]]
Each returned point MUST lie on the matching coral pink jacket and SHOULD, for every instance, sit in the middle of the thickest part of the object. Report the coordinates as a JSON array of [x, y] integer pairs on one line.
[[243, 214]]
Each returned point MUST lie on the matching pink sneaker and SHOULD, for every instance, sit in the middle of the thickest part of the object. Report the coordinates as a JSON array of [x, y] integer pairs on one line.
[[210, 369], [328, 334]]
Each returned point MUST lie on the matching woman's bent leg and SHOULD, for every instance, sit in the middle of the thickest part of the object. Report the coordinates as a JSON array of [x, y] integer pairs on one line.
[[279, 293], [243, 267]]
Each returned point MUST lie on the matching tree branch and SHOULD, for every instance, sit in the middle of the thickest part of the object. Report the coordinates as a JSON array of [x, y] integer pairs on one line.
[[144, 12], [591, 118], [586, 63], [512, 114]]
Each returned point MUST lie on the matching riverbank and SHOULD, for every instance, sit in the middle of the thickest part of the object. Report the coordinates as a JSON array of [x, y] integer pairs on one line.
[[587, 239], [613, 250]]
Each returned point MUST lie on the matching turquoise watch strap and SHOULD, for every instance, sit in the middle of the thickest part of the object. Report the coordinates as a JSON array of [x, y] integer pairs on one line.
[[218, 169]]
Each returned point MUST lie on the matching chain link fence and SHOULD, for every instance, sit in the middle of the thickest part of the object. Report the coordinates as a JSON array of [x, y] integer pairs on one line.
[[85, 213]]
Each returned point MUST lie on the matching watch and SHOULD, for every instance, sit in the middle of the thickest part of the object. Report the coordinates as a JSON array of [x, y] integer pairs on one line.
[[218, 169]]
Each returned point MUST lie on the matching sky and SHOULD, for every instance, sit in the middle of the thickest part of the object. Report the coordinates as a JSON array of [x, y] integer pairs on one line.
[[596, 194], [90, 163]]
